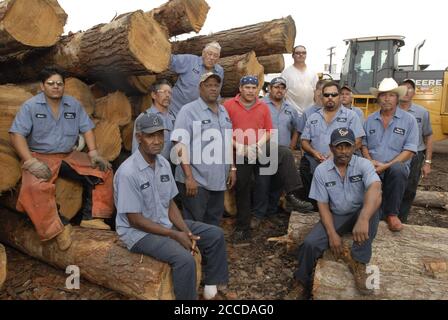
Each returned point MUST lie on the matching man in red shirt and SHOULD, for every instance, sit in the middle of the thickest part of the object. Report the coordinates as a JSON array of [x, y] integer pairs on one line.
[[257, 151]]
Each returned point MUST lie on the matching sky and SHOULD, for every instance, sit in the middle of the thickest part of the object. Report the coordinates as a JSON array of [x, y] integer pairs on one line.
[[320, 24]]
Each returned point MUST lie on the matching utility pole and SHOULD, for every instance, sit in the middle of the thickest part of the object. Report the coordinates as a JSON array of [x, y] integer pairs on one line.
[[331, 58]]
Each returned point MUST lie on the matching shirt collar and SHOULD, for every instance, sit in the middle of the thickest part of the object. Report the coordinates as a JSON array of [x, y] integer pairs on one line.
[[341, 109], [205, 107], [268, 100], [332, 165], [201, 64], [40, 98], [398, 113], [142, 164]]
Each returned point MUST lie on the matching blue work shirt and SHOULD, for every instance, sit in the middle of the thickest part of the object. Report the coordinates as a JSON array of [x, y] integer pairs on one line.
[[344, 195], [358, 111], [138, 188], [305, 115], [168, 119], [285, 120], [386, 144], [424, 124], [44, 133], [189, 69], [209, 134], [318, 131]]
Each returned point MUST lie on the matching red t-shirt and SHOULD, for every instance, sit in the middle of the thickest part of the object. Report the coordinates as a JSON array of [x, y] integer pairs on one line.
[[252, 122]]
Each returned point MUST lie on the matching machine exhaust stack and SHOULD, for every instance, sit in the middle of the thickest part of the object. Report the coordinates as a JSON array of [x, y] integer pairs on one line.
[[417, 55]]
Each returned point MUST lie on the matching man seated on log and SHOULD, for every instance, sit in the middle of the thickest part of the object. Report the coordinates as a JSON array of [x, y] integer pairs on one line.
[[149, 222], [255, 154], [189, 69], [318, 128], [202, 183], [44, 133], [390, 143], [348, 194], [161, 93]]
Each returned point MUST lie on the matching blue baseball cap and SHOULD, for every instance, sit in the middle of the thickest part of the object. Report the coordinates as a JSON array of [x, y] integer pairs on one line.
[[341, 135], [249, 80]]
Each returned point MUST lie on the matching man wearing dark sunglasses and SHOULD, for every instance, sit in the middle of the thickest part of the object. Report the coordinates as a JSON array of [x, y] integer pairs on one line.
[[318, 128]]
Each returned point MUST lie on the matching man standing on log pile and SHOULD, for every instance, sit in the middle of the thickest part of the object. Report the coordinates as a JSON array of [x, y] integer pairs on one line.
[[44, 134], [189, 69], [348, 193], [161, 93], [268, 189], [149, 222], [390, 143], [203, 131], [421, 162], [252, 129], [301, 81]]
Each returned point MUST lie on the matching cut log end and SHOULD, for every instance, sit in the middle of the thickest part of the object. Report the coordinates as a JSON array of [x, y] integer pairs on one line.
[[68, 197], [11, 170], [46, 16], [148, 43], [81, 91], [2, 265], [196, 11], [108, 139]]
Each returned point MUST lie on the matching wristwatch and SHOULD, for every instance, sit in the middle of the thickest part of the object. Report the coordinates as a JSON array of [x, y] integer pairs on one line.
[[428, 161]]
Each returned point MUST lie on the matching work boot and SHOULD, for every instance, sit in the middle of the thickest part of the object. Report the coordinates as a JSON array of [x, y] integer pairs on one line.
[[298, 292], [2, 265], [358, 269], [64, 239], [94, 224], [298, 205], [394, 223], [241, 236]]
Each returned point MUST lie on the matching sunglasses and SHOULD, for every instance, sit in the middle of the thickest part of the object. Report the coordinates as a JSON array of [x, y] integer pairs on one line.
[[334, 95], [52, 83]]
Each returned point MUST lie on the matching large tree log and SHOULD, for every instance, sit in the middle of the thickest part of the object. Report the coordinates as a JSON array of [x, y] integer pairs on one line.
[[140, 104], [101, 257], [126, 135], [81, 91], [431, 199], [115, 108], [272, 64], [2, 265], [131, 44], [25, 24], [236, 67], [108, 139], [11, 99], [413, 264], [68, 197], [11, 169], [181, 16], [265, 38]]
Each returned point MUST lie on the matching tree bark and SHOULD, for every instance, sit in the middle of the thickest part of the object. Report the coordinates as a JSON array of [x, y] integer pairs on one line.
[[131, 44], [235, 67], [181, 16], [272, 64], [101, 257], [11, 168], [265, 38], [115, 108], [108, 139], [431, 199], [26, 24], [2, 265], [413, 264], [11, 99]]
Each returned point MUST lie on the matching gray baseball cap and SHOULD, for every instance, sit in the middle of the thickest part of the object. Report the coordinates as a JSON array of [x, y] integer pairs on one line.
[[149, 123]]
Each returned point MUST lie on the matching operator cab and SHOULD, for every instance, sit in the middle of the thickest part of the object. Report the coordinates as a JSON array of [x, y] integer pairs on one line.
[[369, 60]]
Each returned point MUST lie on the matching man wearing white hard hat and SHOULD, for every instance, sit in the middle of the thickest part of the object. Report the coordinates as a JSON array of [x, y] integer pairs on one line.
[[390, 143]]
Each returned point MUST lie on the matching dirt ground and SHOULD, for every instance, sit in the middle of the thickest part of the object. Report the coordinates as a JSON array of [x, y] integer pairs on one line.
[[258, 270]]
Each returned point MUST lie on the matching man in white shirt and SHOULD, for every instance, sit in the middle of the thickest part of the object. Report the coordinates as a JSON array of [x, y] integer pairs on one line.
[[301, 81]]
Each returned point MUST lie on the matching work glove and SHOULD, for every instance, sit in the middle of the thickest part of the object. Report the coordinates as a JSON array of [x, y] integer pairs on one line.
[[37, 168], [98, 162]]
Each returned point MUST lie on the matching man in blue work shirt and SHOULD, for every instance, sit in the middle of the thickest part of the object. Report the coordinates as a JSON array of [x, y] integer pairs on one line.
[[203, 128], [421, 162], [189, 69], [347, 102], [313, 108], [318, 128], [161, 99], [267, 190], [149, 222], [348, 193], [390, 143]]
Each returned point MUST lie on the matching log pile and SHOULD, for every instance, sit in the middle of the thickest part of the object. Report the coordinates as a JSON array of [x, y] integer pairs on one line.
[[413, 264], [2, 265]]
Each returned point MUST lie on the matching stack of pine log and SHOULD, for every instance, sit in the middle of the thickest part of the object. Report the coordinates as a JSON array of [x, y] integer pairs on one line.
[[111, 67]]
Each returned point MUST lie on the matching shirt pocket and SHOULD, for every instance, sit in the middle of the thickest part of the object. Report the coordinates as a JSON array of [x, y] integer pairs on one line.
[[397, 142], [373, 139], [71, 127], [41, 126], [164, 193]]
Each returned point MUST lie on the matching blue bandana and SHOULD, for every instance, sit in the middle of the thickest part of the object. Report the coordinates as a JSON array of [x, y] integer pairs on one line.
[[249, 80]]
